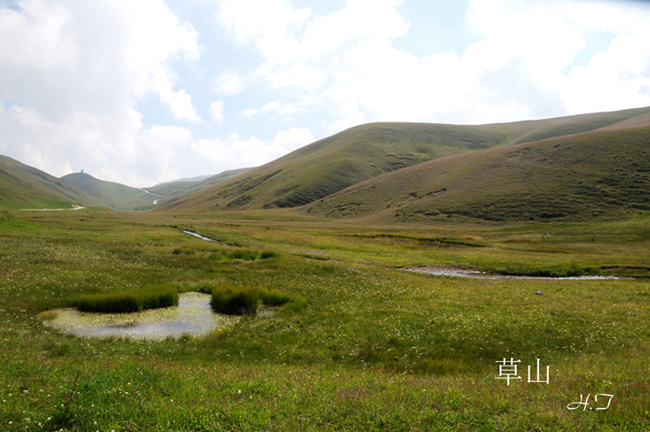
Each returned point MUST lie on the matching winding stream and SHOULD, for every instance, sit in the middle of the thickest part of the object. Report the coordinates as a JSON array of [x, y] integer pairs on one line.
[[475, 274], [199, 236]]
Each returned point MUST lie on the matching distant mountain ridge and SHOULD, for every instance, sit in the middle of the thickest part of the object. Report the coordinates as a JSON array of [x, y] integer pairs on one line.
[[117, 196], [25, 187], [173, 191], [120, 197], [184, 180]]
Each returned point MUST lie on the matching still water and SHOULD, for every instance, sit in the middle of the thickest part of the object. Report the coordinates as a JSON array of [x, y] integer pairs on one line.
[[193, 316], [473, 274]]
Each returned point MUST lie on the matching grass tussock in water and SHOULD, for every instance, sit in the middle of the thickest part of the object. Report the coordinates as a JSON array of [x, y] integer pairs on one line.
[[128, 301], [245, 300], [231, 300]]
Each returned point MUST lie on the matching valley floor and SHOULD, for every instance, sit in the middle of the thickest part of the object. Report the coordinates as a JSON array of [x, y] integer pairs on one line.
[[376, 348]]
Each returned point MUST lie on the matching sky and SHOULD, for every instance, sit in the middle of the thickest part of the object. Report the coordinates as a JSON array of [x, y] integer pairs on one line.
[[141, 92]]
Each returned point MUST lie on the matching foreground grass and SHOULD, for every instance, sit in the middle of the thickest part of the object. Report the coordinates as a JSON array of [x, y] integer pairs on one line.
[[376, 348]]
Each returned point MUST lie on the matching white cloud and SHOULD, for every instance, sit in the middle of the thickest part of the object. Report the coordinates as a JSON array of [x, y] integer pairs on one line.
[[230, 83], [346, 61], [216, 111], [236, 151], [178, 102], [268, 24], [285, 110], [115, 148], [71, 75], [291, 139], [615, 79]]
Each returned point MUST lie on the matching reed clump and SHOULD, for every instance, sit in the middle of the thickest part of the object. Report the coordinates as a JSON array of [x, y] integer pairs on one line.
[[243, 254], [128, 301], [268, 254], [231, 300]]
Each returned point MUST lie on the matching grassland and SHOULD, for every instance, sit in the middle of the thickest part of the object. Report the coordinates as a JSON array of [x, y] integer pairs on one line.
[[375, 348]]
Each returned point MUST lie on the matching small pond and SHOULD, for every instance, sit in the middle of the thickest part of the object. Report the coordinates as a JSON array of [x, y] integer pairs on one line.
[[193, 316]]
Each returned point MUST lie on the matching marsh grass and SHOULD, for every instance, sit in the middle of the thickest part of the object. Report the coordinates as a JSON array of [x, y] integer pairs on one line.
[[267, 254], [243, 254], [232, 300], [128, 301], [236, 300]]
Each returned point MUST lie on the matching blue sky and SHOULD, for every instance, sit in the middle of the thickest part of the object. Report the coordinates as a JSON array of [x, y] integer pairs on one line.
[[150, 91]]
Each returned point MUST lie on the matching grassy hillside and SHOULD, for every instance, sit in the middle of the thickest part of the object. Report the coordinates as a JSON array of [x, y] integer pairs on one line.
[[116, 196], [25, 187], [535, 130], [174, 191], [363, 152], [597, 174], [334, 163]]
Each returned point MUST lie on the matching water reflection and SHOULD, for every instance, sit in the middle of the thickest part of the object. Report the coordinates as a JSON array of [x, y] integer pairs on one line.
[[474, 274], [193, 315], [197, 235]]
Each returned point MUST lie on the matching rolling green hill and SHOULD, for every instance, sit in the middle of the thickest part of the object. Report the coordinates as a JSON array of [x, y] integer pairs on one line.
[[25, 187], [578, 177], [535, 130], [116, 196], [363, 152], [174, 191]]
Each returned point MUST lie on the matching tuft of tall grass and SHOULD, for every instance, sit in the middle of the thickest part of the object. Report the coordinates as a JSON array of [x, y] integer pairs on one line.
[[268, 254], [231, 300], [244, 254], [297, 304], [274, 298], [127, 301]]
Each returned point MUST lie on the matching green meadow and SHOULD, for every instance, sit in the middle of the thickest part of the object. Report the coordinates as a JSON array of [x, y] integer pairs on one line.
[[367, 345]]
